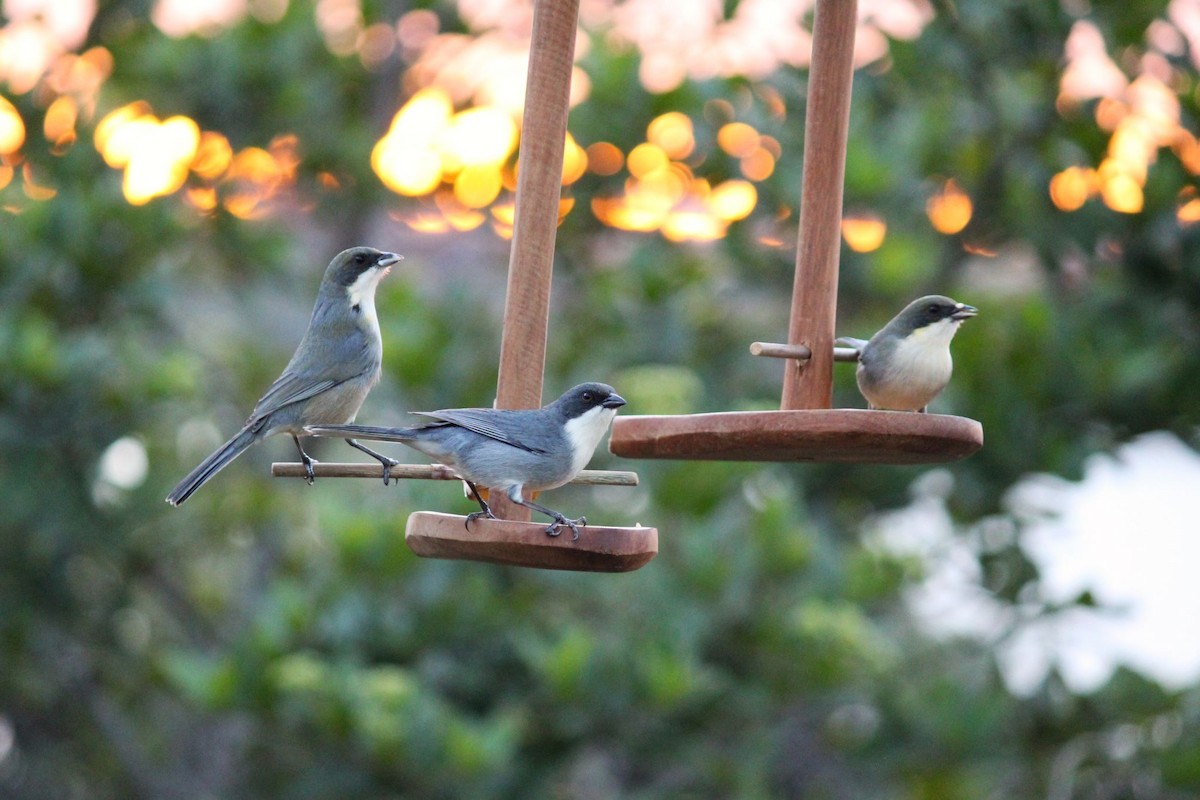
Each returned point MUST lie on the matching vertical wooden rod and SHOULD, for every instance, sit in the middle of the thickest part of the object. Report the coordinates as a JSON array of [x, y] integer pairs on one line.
[[539, 182], [814, 290]]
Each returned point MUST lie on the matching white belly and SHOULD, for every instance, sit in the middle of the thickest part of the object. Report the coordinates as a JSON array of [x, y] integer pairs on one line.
[[919, 368]]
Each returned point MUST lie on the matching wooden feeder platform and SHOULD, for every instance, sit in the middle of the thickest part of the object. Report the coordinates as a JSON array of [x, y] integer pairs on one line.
[[501, 541], [842, 435]]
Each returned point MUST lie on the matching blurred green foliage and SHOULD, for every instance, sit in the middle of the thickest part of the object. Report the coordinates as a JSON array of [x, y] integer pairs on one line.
[[275, 640]]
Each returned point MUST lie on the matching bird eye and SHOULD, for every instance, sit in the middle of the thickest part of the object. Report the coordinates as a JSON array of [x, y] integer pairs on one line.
[[360, 258], [588, 397], [934, 309]]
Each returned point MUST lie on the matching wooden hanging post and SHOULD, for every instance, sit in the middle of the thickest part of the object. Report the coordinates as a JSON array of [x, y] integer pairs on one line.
[[539, 188], [809, 384]]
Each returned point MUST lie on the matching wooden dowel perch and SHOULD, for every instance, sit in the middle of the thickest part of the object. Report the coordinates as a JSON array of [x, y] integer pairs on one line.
[[430, 472], [799, 352]]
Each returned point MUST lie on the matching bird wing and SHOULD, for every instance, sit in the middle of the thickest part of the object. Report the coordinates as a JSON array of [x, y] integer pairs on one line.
[[484, 422], [288, 389]]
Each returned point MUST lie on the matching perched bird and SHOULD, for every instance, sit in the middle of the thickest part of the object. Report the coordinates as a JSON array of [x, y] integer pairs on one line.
[[509, 450], [907, 363], [333, 368]]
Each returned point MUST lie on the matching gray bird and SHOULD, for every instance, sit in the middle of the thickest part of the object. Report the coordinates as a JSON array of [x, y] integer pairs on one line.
[[334, 367], [907, 363], [509, 450]]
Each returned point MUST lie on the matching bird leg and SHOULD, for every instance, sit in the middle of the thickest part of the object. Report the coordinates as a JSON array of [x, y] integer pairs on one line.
[[560, 521], [386, 461], [486, 510], [307, 459]]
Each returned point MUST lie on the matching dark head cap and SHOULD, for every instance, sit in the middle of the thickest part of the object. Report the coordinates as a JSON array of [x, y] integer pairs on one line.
[[579, 400], [930, 309], [348, 265]]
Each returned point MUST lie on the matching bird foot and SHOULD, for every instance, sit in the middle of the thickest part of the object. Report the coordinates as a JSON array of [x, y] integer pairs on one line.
[[474, 515], [310, 476], [560, 522], [388, 463]]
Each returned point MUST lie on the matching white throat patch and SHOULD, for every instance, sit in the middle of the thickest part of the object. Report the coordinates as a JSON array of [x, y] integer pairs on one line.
[[361, 293], [585, 432], [936, 334]]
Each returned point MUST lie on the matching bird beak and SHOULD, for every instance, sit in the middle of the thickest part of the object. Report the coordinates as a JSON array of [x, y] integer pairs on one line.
[[386, 260], [613, 401], [964, 312]]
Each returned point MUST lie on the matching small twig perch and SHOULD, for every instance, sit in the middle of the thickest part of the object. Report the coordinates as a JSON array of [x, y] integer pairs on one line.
[[799, 352], [430, 472]]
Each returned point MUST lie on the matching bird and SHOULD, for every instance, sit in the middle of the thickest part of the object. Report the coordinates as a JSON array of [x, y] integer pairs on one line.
[[907, 363], [334, 367], [509, 450]]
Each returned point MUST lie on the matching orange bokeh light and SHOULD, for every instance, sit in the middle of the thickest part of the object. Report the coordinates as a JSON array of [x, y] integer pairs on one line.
[[863, 233], [1122, 193], [12, 128], [647, 159], [1072, 187], [605, 158], [733, 200], [673, 133], [738, 139], [1189, 212], [59, 123], [758, 165], [950, 209], [575, 161]]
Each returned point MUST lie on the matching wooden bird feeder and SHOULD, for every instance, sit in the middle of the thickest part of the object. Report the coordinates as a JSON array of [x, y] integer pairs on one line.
[[513, 539], [807, 428]]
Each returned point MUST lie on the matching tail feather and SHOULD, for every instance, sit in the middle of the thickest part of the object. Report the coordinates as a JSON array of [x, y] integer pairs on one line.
[[371, 432], [211, 466]]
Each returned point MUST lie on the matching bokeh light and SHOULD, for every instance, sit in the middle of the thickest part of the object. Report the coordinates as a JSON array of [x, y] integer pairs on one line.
[[950, 209], [158, 157], [59, 122], [1123, 193], [605, 158], [673, 133], [575, 161], [863, 232], [738, 139], [1142, 114], [154, 154], [12, 128], [1072, 187]]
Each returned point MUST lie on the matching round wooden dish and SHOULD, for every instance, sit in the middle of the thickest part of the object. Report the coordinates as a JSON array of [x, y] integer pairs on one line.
[[525, 544], [847, 435]]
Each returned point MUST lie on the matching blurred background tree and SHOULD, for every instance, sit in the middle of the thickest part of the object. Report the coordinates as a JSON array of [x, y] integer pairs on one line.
[[176, 174]]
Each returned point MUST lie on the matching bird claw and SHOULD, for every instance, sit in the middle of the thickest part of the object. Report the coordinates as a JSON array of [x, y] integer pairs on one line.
[[560, 522], [474, 515], [388, 463], [310, 476]]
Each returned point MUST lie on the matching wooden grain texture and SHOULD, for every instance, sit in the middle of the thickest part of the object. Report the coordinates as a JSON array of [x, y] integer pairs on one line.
[[525, 544], [809, 384], [429, 472], [844, 435], [539, 186]]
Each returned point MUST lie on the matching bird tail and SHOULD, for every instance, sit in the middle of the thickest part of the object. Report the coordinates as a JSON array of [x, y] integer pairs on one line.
[[211, 466], [371, 432]]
